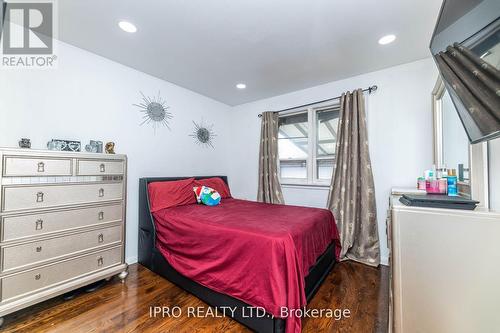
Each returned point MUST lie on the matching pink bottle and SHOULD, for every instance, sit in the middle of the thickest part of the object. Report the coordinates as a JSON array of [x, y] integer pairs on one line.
[[436, 186], [432, 186]]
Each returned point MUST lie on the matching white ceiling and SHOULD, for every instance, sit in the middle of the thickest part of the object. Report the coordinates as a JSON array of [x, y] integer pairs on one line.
[[274, 46]]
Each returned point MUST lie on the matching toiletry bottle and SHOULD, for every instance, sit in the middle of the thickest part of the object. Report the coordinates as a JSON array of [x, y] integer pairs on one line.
[[443, 185], [452, 183], [441, 172], [444, 178], [421, 183]]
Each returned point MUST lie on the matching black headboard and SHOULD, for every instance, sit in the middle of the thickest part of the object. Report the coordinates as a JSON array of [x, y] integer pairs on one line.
[[147, 232]]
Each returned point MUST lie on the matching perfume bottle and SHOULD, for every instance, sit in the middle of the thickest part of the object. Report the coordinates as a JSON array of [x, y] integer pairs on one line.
[[421, 183], [443, 185], [452, 183], [432, 186]]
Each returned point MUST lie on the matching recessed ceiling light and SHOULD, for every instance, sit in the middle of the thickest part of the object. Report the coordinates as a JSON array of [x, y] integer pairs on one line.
[[387, 39], [127, 26], [241, 86]]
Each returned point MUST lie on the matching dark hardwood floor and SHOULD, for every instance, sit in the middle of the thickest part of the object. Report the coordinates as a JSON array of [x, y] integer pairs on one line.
[[118, 307]]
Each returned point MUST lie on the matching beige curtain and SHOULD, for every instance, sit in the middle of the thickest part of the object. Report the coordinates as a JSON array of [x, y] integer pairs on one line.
[[269, 184], [352, 193], [477, 82]]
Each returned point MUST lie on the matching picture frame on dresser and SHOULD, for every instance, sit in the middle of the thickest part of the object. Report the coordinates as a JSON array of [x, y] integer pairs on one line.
[[62, 223]]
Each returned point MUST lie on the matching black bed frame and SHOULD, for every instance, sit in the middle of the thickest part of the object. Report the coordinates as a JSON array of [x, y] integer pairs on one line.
[[151, 258]]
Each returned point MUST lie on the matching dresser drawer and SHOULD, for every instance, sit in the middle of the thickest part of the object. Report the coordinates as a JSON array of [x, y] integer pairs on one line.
[[17, 256], [99, 167], [36, 197], [51, 275], [19, 166], [18, 227]]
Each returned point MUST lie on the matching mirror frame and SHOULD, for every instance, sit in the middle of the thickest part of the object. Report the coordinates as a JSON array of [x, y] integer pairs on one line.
[[437, 121], [478, 153]]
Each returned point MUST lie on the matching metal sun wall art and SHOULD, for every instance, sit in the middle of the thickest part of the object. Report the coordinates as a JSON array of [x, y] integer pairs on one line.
[[155, 111], [203, 134]]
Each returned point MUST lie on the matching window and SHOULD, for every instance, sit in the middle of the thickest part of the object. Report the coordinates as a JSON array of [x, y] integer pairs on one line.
[[293, 146], [306, 145]]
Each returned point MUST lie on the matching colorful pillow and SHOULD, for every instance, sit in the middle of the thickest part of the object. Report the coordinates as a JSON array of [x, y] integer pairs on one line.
[[170, 194], [206, 195], [217, 184]]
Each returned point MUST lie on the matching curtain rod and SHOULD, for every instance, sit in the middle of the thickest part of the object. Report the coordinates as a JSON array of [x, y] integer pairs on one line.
[[369, 90]]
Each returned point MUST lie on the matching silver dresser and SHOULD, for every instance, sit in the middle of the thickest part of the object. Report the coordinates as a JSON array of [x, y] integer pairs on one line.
[[62, 223]]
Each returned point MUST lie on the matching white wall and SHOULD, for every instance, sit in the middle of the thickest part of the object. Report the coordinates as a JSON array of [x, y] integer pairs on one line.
[[494, 173], [89, 97], [399, 124]]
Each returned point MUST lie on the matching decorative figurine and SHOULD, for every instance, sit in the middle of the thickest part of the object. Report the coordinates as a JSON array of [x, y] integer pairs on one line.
[[110, 148], [94, 147], [24, 143], [90, 148], [98, 145]]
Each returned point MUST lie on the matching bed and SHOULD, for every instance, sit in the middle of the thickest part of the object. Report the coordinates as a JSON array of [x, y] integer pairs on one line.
[[238, 237]]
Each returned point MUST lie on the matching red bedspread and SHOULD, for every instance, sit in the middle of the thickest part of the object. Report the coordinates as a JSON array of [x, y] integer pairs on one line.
[[258, 253]]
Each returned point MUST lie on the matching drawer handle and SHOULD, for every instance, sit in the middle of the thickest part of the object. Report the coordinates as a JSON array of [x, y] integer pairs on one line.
[[38, 276], [101, 192], [101, 215], [41, 167], [39, 197], [102, 167], [100, 238], [100, 261], [39, 224], [38, 249]]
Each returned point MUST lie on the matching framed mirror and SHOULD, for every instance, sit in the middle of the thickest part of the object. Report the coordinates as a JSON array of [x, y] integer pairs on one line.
[[453, 150]]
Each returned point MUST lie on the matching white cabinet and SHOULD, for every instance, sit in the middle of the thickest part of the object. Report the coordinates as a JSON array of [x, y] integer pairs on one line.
[[445, 269]]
